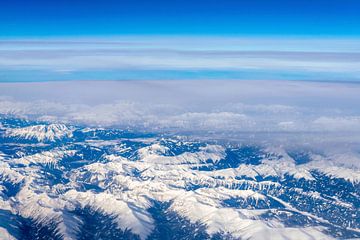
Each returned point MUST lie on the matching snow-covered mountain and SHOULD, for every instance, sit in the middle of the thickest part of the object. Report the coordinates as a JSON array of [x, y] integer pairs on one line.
[[41, 133], [67, 182]]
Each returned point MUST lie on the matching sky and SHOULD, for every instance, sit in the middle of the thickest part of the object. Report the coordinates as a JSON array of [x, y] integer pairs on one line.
[[198, 39], [43, 18], [180, 57], [286, 54]]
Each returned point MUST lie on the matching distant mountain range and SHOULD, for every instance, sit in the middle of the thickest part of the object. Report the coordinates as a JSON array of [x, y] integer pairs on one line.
[[70, 182]]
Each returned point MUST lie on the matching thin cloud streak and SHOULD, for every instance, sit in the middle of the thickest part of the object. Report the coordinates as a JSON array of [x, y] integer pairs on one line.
[[313, 57]]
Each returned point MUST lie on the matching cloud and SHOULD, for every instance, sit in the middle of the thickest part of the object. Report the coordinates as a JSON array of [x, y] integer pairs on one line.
[[350, 123], [176, 61], [302, 58], [183, 106]]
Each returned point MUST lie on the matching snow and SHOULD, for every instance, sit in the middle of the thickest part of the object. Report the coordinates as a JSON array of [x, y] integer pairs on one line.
[[200, 208], [129, 216], [47, 157], [5, 235], [152, 154], [6, 172], [51, 132], [127, 187]]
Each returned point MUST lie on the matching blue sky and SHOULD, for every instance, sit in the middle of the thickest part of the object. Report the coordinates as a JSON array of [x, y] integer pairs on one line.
[[21, 18], [198, 39]]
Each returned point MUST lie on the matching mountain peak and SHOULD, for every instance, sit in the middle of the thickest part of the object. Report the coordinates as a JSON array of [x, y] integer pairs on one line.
[[41, 133]]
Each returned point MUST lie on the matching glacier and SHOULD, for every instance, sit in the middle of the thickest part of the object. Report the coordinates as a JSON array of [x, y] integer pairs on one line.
[[68, 181]]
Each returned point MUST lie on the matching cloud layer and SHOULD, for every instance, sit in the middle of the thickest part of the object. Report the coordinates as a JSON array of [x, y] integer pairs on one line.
[[179, 58], [195, 106]]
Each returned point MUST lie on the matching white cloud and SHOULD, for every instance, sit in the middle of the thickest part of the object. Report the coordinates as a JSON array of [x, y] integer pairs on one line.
[[295, 55], [349, 123], [204, 106]]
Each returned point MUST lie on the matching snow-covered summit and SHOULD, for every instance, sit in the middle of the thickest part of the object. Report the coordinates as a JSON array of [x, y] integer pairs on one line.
[[51, 132]]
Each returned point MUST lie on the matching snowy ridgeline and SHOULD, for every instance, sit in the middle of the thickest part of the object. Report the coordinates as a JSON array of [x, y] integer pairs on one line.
[[67, 182]]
